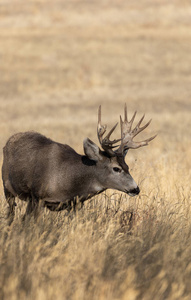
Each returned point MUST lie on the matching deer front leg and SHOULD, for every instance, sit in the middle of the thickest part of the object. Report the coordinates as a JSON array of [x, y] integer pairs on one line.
[[11, 209], [33, 207]]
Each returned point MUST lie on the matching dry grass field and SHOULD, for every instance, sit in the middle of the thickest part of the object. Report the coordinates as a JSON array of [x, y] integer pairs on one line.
[[58, 61]]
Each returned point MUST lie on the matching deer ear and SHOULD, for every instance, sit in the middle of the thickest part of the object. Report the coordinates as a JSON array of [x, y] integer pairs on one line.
[[92, 150]]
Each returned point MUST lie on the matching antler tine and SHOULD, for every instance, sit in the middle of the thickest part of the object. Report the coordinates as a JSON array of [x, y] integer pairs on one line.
[[138, 129], [125, 116], [135, 145], [141, 120], [99, 115], [151, 138], [126, 125], [111, 131], [125, 113], [106, 144], [133, 118], [101, 129]]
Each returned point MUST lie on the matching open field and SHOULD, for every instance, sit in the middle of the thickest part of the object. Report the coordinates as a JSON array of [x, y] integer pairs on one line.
[[58, 61]]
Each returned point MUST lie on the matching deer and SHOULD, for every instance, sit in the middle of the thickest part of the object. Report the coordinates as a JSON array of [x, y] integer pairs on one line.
[[46, 173]]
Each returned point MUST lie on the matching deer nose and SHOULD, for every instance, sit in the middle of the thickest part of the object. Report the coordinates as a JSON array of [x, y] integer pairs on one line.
[[135, 191]]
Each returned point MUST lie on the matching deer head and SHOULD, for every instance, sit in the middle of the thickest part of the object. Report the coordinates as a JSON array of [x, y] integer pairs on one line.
[[111, 168]]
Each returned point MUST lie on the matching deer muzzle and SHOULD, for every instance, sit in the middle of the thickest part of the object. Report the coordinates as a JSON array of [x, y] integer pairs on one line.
[[134, 192]]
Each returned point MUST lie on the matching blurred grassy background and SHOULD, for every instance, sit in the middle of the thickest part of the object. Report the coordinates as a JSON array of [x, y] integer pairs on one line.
[[58, 61]]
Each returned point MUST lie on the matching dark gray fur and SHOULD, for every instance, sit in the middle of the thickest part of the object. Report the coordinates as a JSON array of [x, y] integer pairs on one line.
[[36, 169]]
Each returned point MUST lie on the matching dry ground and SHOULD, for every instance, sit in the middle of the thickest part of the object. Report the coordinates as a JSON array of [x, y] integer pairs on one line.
[[58, 61]]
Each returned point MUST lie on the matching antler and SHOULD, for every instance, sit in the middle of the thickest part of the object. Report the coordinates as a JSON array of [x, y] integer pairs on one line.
[[105, 142], [127, 134]]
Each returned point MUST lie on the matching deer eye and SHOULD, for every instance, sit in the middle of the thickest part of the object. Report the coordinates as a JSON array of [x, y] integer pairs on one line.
[[118, 170]]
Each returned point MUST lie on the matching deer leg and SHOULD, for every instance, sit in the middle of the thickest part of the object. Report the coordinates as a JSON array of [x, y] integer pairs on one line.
[[32, 207], [38, 205], [29, 208], [11, 209]]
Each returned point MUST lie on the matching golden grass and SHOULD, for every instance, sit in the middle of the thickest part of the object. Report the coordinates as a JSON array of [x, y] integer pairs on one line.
[[59, 61]]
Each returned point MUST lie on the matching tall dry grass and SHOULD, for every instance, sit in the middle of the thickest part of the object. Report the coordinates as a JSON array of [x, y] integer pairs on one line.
[[92, 254], [59, 61]]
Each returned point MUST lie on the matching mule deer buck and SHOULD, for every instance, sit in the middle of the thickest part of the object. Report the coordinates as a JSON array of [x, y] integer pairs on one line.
[[39, 170]]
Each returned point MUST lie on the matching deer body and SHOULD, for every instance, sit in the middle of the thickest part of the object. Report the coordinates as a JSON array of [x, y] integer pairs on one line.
[[36, 168]]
